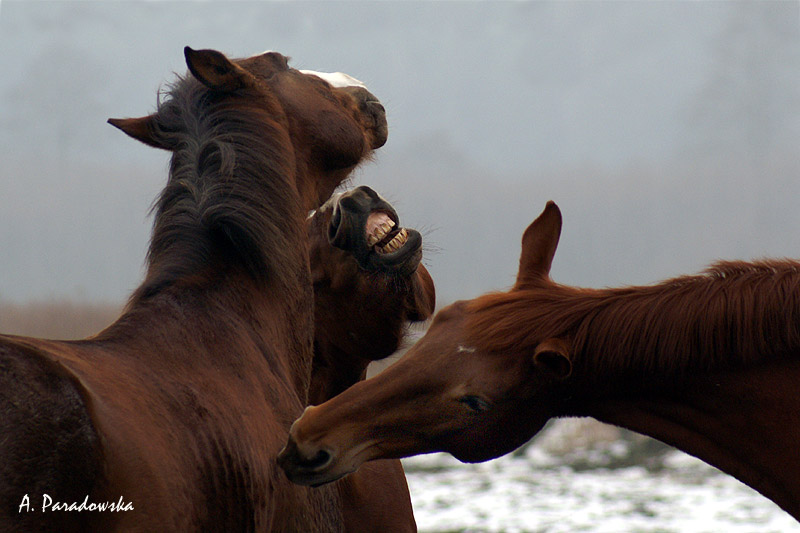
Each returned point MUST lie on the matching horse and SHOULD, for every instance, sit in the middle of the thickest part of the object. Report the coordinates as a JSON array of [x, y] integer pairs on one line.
[[708, 363], [369, 283], [171, 418]]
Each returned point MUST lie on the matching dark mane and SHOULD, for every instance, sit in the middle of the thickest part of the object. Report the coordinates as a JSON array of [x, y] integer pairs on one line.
[[733, 313], [229, 192]]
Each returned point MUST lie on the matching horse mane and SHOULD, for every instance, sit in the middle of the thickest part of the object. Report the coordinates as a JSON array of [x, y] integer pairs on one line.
[[733, 313], [228, 193]]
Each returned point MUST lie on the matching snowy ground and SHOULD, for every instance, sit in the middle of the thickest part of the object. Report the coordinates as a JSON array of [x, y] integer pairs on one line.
[[537, 492]]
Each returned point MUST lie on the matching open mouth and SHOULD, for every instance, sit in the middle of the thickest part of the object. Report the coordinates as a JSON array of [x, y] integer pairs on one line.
[[382, 233]]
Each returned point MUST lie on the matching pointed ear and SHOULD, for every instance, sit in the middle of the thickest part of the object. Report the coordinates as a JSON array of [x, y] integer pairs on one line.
[[539, 244], [552, 357], [142, 129], [216, 71]]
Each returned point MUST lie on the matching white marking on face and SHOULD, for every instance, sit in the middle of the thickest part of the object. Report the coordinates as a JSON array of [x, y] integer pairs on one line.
[[311, 214], [263, 53], [337, 79], [467, 349]]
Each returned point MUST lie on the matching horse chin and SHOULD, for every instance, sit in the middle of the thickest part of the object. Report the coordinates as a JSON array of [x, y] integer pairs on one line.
[[473, 456], [315, 479], [467, 451]]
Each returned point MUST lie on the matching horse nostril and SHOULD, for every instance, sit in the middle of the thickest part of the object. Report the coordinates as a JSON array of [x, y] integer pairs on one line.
[[320, 460], [377, 107]]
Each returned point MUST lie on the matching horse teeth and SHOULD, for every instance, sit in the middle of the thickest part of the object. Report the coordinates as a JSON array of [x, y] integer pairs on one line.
[[380, 232], [396, 243]]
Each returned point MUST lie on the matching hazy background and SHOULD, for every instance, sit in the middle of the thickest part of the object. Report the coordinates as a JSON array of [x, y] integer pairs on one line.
[[667, 132]]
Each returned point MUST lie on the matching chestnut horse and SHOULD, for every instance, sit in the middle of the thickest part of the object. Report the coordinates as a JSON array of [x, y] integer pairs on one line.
[[368, 284], [176, 412], [707, 363]]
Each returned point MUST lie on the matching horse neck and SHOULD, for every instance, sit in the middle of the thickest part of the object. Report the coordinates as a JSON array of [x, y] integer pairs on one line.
[[229, 236], [743, 422], [360, 318], [333, 371], [707, 364], [733, 316]]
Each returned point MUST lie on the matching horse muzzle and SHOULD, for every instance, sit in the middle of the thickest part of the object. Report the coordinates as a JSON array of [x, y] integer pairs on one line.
[[372, 113], [368, 227], [308, 465]]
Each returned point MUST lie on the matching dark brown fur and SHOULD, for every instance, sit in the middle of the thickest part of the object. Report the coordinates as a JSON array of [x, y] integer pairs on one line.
[[181, 406], [361, 316]]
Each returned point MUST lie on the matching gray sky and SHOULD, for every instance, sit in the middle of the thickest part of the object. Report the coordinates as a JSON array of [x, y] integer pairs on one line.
[[667, 132]]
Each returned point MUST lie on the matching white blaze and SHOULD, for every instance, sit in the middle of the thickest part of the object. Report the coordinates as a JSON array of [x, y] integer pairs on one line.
[[265, 52], [337, 79]]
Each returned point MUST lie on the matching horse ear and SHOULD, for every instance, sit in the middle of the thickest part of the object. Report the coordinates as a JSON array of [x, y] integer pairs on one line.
[[539, 244], [216, 71], [552, 357], [141, 129]]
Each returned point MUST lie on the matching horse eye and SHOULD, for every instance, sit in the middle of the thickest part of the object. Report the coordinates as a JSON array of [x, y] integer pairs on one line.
[[477, 404]]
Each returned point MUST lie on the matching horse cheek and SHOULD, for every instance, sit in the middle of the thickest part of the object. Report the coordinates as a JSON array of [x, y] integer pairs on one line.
[[338, 141]]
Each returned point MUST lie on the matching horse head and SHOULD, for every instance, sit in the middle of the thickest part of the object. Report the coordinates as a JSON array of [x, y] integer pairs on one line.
[[369, 283], [332, 121], [452, 391], [364, 225]]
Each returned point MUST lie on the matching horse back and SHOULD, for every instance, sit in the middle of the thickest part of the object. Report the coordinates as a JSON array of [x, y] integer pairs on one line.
[[48, 445]]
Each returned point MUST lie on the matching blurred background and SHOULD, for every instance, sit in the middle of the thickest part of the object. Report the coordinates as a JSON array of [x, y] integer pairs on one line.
[[667, 132]]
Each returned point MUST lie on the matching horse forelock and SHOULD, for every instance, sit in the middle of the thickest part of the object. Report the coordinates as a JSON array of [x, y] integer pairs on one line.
[[229, 190], [734, 313]]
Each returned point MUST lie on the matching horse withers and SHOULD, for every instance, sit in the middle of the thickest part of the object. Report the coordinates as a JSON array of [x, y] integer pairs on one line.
[[369, 284], [707, 363], [177, 411]]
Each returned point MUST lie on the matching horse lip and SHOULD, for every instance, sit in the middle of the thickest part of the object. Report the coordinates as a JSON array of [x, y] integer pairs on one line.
[[314, 479], [381, 136], [380, 129], [372, 110], [389, 211], [412, 245], [292, 461], [354, 215], [288, 460]]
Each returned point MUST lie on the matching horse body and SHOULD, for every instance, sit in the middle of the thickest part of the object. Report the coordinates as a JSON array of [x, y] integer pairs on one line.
[[187, 438], [707, 363], [369, 284], [180, 407]]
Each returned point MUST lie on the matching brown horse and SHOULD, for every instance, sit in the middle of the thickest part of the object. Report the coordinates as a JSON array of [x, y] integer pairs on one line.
[[707, 363], [368, 284], [176, 412]]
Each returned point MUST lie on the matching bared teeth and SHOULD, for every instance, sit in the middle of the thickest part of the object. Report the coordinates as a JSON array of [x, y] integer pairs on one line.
[[380, 231], [396, 243]]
